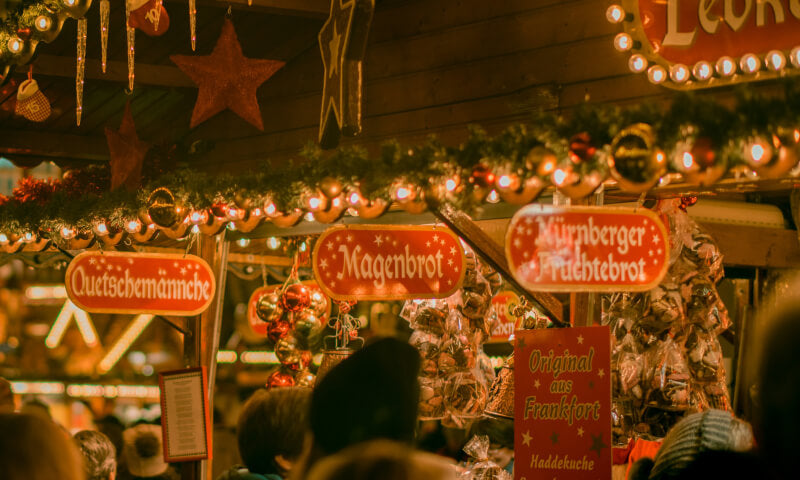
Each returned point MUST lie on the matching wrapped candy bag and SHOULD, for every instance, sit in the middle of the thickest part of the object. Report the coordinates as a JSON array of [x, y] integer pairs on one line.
[[429, 345], [465, 395], [704, 354], [669, 383], [431, 398], [481, 467]]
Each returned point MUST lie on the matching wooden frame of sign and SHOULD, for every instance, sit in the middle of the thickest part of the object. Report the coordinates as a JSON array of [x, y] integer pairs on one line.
[[184, 439]]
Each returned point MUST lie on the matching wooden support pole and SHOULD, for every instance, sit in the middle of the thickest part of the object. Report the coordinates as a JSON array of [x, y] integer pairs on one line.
[[493, 254]]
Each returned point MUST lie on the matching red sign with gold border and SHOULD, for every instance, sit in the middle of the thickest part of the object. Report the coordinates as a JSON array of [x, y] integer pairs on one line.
[[385, 262], [562, 403], [587, 248], [133, 283]]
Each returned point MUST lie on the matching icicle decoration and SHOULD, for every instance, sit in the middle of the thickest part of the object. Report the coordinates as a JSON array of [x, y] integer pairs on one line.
[[193, 21], [81, 66], [157, 16], [104, 10], [131, 34]]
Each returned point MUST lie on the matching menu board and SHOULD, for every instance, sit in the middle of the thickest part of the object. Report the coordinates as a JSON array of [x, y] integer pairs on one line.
[[184, 415]]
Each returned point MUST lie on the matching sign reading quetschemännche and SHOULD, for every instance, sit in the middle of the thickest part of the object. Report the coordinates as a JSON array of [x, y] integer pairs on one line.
[[562, 403], [121, 282], [587, 248], [384, 262]]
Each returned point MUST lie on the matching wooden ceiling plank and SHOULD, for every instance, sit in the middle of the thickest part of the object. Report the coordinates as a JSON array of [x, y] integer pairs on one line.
[[47, 144], [297, 8], [146, 74]]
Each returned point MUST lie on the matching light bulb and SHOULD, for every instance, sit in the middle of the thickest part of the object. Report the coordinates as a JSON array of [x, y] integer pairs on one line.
[[70, 3], [687, 159], [195, 229], [15, 44], [28, 237], [271, 209], [637, 63], [702, 70], [309, 217], [504, 181], [101, 228], [3, 238], [615, 14], [795, 56], [493, 197], [559, 176], [679, 73], [43, 23], [450, 185], [67, 233], [273, 243], [402, 193], [750, 63], [197, 217], [776, 60], [314, 203], [355, 198], [133, 226], [623, 42], [726, 66], [243, 242], [656, 74]]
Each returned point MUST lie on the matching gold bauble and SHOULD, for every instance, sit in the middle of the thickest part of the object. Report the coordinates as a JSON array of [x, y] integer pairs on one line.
[[162, 208], [634, 162]]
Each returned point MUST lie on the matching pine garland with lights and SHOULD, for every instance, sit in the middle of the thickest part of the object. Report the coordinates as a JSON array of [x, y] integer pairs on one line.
[[462, 176]]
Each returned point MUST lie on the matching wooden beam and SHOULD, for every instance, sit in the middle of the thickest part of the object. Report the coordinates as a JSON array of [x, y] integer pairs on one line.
[[48, 144], [296, 8], [492, 252], [146, 74]]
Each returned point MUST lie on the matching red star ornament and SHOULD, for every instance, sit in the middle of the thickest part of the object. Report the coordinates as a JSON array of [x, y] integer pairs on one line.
[[127, 153], [227, 79]]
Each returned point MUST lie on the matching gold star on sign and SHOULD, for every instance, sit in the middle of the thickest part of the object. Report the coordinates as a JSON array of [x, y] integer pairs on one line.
[[580, 432], [526, 438], [580, 339], [601, 373], [343, 43]]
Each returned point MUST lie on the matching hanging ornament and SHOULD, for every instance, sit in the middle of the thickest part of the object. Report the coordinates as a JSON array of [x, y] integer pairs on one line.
[[130, 33], [306, 323], [104, 12], [268, 307], [634, 162], [80, 69], [330, 187], [319, 304], [162, 208], [127, 153], [278, 329], [771, 159], [575, 183], [295, 297], [279, 379], [288, 351], [149, 16], [226, 79], [482, 176], [581, 149], [697, 161], [193, 22], [31, 102], [304, 378]]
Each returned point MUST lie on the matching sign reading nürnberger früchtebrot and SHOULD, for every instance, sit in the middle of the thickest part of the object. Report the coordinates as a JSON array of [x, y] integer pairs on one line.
[[384, 262], [121, 282], [587, 248]]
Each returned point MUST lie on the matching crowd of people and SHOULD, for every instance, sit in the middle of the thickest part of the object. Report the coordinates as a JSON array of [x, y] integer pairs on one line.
[[360, 423]]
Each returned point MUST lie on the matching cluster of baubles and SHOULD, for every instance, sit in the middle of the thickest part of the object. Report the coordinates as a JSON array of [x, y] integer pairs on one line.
[[294, 315], [38, 21]]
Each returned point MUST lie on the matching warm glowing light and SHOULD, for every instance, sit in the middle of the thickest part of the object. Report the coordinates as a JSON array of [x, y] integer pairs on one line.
[[303, 246], [402, 193], [258, 357], [314, 203], [227, 356], [355, 198], [623, 42], [687, 159], [40, 388], [796, 135], [271, 209], [198, 217], [726, 66], [133, 226], [759, 151], [15, 44], [273, 243], [195, 229], [231, 226], [43, 23], [101, 228], [67, 233], [504, 181], [235, 213], [45, 292], [336, 202], [450, 185], [493, 197], [679, 73], [125, 341], [702, 70], [637, 63], [795, 57], [559, 176], [656, 74], [615, 14], [256, 212], [309, 217], [82, 320], [776, 60], [70, 3], [243, 242], [28, 237], [750, 63], [3, 238]]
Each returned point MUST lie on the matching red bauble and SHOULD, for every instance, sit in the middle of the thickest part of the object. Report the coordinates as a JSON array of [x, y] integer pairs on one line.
[[295, 297], [277, 330], [581, 149], [482, 176], [280, 379]]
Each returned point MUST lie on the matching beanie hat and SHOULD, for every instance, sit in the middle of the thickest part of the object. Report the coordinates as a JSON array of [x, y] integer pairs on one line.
[[696, 433], [372, 394], [143, 450]]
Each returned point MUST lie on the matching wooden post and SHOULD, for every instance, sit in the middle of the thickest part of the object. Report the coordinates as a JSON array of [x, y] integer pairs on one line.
[[494, 255]]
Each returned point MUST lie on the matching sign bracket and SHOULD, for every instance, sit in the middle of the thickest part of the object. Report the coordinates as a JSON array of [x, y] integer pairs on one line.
[[175, 326]]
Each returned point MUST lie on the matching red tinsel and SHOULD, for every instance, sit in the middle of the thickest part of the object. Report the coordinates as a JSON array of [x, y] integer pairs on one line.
[[31, 189], [80, 182]]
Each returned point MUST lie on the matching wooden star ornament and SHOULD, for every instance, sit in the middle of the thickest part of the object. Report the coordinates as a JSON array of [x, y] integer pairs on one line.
[[226, 79], [343, 43], [127, 153]]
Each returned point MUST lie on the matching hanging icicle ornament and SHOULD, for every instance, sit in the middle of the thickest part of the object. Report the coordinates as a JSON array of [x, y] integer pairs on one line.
[[193, 22], [157, 14], [104, 11], [131, 34], [80, 68]]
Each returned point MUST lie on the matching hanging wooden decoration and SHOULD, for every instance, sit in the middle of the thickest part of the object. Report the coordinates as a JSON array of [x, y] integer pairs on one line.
[[343, 43], [127, 153]]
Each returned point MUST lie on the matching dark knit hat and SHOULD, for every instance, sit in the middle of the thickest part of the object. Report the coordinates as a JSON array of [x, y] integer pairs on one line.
[[696, 433], [372, 394]]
